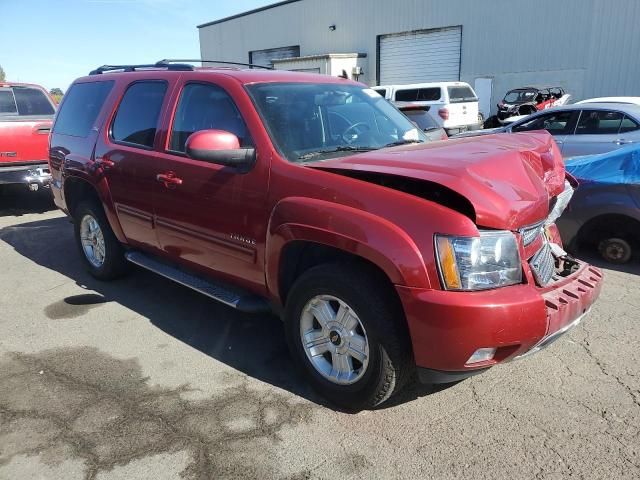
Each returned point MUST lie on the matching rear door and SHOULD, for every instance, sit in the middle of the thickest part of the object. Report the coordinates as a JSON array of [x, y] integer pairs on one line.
[[596, 132], [463, 106], [560, 124], [629, 132], [126, 154]]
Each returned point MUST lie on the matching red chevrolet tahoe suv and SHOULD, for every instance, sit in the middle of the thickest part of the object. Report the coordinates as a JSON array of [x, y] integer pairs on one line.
[[313, 197], [26, 113]]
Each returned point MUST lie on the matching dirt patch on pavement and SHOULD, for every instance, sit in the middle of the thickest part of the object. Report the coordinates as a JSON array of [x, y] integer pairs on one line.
[[83, 404]]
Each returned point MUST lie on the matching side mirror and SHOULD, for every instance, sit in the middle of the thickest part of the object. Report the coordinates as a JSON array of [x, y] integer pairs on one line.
[[220, 147]]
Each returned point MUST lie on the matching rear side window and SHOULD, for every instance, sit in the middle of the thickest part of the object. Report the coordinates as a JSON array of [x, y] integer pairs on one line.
[[24, 101], [419, 95], [461, 94], [206, 107], [628, 125], [599, 122], [80, 108], [136, 120]]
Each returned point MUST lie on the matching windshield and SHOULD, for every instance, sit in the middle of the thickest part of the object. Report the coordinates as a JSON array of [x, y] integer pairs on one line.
[[310, 122], [520, 96], [24, 101]]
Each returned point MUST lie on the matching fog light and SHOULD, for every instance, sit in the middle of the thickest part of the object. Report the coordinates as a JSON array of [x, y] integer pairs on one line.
[[481, 355]]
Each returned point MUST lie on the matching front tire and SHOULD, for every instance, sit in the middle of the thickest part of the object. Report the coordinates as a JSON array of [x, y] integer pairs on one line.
[[615, 250], [100, 250], [346, 328]]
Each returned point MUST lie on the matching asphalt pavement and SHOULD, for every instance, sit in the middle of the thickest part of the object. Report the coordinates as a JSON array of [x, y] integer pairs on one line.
[[142, 378]]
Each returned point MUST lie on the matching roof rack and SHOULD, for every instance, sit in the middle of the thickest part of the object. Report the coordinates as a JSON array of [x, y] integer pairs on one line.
[[133, 68], [169, 64], [170, 61]]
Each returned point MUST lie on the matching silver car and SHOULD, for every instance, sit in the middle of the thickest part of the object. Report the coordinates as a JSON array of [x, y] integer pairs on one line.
[[581, 129]]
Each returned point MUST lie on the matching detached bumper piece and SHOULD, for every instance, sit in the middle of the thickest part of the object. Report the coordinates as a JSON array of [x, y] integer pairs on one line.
[[33, 176], [567, 305]]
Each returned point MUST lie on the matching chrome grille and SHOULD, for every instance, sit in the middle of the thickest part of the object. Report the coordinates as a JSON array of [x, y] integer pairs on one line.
[[531, 233], [543, 265]]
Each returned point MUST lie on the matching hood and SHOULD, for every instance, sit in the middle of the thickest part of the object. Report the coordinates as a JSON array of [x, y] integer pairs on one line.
[[508, 179]]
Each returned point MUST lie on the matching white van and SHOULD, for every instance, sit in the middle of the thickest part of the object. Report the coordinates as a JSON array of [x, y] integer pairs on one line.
[[454, 105]]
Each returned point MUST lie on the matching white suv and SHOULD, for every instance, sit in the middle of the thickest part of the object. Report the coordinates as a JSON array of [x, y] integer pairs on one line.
[[454, 105]]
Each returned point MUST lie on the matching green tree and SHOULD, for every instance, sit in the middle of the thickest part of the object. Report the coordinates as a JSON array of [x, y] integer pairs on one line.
[[57, 94], [2, 75]]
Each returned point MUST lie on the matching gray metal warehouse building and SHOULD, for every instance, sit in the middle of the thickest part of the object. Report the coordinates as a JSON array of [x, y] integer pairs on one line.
[[589, 47]]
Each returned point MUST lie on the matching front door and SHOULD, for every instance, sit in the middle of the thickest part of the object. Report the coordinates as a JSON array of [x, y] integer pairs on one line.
[[560, 124], [125, 154], [211, 217]]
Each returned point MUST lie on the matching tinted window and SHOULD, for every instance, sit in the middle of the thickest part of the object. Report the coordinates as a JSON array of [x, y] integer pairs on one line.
[[7, 102], [24, 101], [594, 122], [419, 95], [421, 118], [32, 101], [205, 107], [628, 125], [137, 117], [461, 94], [80, 108], [381, 91], [555, 123]]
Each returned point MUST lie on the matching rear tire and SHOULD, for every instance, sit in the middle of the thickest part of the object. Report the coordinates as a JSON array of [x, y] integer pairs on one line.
[[101, 252], [373, 323]]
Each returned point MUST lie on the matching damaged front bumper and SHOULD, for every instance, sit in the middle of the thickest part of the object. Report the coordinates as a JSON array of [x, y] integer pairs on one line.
[[34, 176], [448, 327]]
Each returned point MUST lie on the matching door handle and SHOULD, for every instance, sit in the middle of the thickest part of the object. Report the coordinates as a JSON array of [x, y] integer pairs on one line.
[[622, 141], [105, 163], [169, 179]]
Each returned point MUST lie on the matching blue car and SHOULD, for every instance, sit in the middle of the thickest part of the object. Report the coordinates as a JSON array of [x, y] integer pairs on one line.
[[604, 211]]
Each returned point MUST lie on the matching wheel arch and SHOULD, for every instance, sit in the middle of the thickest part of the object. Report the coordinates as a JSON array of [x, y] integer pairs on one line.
[[610, 222], [304, 231], [77, 189]]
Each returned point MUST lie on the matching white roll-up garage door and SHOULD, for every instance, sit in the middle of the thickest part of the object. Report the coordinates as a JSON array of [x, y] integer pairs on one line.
[[264, 57], [421, 56]]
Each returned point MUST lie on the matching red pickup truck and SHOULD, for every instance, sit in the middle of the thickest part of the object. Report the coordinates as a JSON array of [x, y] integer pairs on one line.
[[26, 114], [313, 197]]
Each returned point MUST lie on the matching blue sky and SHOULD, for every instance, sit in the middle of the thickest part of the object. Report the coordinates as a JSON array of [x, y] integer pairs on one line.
[[53, 42]]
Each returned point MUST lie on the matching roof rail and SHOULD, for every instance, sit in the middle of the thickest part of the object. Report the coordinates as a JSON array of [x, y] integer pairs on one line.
[[170, 61], [133, 68]]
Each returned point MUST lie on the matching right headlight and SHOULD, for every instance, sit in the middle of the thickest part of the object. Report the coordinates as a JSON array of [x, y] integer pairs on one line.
[[478, 263]]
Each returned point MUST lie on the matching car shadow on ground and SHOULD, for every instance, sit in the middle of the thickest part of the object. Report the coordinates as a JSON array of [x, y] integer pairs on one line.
[[17, 200], [252, 344]]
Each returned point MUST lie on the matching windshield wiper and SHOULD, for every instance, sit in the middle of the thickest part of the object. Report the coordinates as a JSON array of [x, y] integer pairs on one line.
[[341, 148], [402, 142]]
